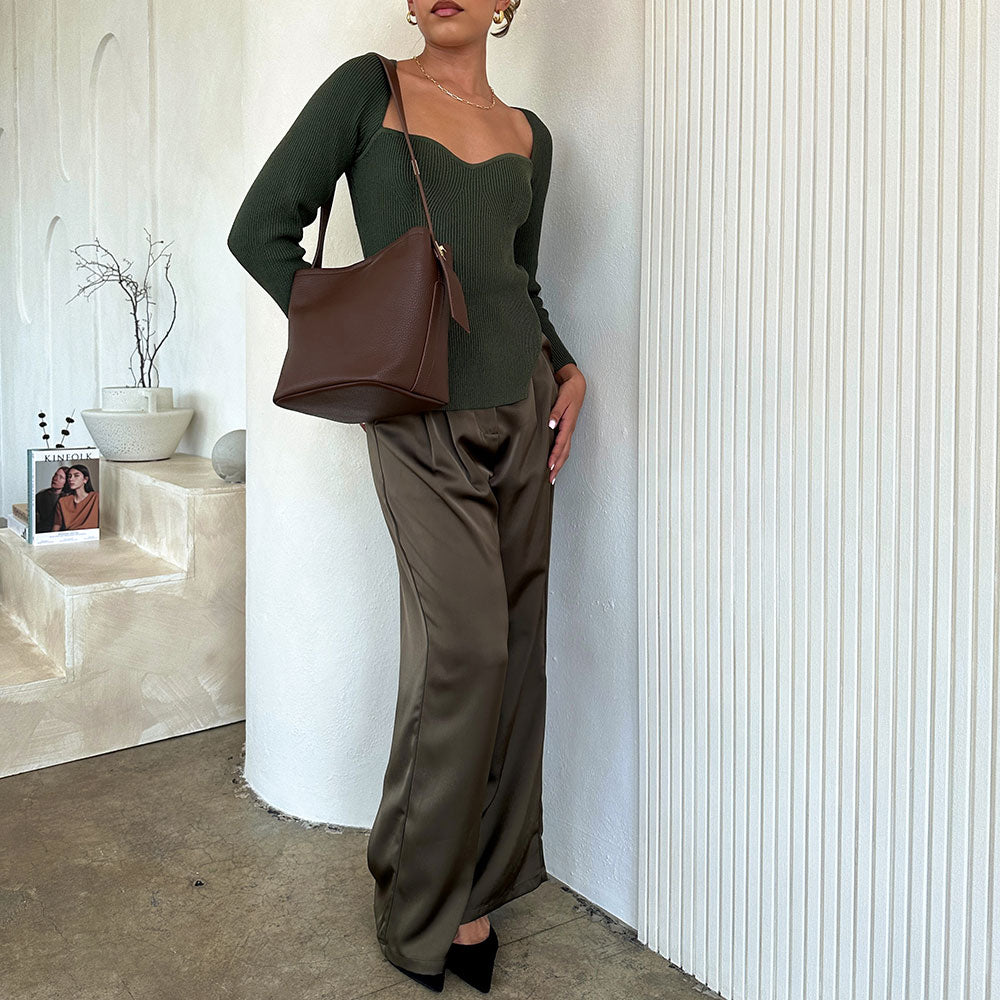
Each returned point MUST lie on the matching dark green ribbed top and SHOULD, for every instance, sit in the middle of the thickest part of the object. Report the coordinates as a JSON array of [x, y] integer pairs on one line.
[[490, 213]]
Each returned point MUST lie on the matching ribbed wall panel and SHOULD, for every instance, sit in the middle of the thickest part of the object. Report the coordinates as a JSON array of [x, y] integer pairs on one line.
[[820, 463]]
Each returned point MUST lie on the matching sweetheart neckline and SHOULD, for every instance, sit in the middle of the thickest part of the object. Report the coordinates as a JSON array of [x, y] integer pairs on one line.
[[468, 163]]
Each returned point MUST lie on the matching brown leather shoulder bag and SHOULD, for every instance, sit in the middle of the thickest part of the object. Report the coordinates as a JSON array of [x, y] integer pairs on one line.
[[370, 340]]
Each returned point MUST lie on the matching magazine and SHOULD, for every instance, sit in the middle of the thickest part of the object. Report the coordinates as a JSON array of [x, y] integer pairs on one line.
[[17, 521], [63, 495]]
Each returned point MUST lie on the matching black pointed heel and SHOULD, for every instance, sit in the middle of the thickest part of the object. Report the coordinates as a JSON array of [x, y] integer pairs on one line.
[[433, 981], [474, 962]]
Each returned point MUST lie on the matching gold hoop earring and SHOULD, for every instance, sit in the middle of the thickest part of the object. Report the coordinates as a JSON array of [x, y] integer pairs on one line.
[[410, 14], [498, 17]]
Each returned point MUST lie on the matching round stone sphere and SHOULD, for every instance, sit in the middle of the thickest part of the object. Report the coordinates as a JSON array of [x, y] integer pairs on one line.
[[229, 456]]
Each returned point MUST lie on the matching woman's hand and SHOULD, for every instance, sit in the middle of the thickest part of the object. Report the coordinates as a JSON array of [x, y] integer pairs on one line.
[[572, 389]]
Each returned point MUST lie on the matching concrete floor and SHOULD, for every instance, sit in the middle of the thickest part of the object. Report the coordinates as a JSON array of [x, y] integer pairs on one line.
[[155, 872]]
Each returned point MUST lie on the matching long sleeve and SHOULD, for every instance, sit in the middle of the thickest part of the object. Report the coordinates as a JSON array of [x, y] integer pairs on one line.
[[297, 178], [528, 236]]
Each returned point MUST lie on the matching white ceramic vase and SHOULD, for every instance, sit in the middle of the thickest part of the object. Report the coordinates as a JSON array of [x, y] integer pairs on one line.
[[136, 423]]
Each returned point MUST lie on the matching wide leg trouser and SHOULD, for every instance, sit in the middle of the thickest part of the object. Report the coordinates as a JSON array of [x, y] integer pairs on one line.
[[468, 503]]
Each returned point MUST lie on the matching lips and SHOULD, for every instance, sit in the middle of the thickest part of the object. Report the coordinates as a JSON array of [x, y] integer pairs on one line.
[[446, 5]]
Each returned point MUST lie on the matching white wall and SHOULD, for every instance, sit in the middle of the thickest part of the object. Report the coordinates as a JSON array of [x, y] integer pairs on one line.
[[114, 117], [820, 316], [322, 590]]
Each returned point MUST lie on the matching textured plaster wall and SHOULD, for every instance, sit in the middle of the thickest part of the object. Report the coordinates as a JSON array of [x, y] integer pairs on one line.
[[115, 116]]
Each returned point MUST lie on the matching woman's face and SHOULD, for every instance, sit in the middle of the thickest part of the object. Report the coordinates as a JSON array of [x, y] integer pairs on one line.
[[76, 479], [58, 479], [455, 21]]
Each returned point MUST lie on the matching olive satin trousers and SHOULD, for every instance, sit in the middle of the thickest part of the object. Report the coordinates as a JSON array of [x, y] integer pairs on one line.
[[468, 502]]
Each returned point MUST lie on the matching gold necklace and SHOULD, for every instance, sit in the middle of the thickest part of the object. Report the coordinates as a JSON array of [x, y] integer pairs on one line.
[[485, 107]]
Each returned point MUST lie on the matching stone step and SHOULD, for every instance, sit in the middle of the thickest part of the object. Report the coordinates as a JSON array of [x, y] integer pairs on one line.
[[106, 563], [135, 637], [38, 583], [23, 662], [154, 503]]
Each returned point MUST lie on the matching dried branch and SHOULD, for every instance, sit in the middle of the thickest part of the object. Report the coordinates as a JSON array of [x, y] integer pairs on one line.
[[103, 268]]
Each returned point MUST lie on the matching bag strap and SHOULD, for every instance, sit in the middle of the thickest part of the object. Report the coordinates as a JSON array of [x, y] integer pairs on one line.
[[391, 72], [456, 298], [324, 218]]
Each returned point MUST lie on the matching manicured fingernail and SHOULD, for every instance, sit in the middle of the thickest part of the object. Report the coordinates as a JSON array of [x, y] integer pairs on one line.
[[552, 466], [552, 422]]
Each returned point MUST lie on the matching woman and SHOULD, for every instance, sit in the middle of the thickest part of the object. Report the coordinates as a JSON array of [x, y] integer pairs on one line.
[[466, 490], [46, 500], [79, 508]]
